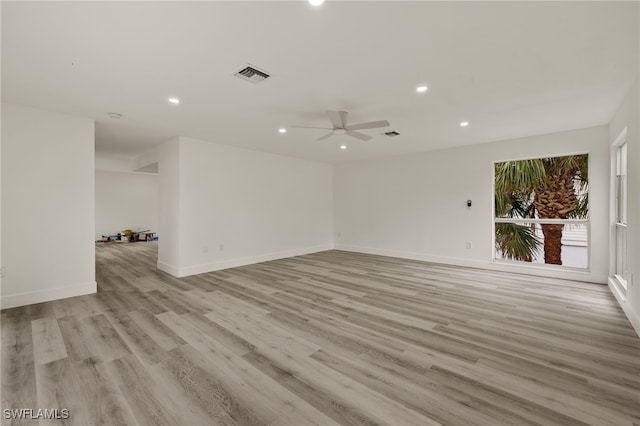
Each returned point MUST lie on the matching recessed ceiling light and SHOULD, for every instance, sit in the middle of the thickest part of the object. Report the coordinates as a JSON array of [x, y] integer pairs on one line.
[[343, 147], [114, 115], [464, 123], [282, 130], [316, 2], [174, 101], [421, 89]]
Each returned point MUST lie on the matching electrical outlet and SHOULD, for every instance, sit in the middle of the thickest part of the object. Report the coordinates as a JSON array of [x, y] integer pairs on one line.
[[339, 234], [1, 271], [469, 244], [205, 249], [221, 248]]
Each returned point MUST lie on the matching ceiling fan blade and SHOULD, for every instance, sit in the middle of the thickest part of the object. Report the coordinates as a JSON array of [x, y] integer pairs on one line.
[[338, 119], [310, 127], [368, 125], [358, 135], [327, 136]]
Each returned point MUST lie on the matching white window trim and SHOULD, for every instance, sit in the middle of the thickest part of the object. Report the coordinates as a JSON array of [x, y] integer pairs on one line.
[[619, 282]]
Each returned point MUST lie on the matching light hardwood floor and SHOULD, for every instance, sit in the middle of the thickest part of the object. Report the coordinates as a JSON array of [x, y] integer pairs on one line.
[[329, 338]]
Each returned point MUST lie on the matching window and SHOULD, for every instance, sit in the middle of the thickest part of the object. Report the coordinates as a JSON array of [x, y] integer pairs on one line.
[[541, 213], [620, 272]]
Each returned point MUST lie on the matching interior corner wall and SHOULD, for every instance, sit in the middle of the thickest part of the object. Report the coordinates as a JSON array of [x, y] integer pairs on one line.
[[239, 207], [628, 116], [48, 211], [125, 201], [114, 163], [415, 206]]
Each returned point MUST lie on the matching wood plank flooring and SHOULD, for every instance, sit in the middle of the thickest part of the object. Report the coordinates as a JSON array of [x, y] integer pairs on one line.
[[329, 338]]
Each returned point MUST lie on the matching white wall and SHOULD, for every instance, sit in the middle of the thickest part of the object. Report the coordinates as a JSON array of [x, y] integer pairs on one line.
[[167, 157], [239, 207], [415, 206], [628, 117], [125, 201], [48, 206]]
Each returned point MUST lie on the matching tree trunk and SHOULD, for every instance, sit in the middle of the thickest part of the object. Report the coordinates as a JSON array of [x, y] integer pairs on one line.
[[552, 244], [554, 201]]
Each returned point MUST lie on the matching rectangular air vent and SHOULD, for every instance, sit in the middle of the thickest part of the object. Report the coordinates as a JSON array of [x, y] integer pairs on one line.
[[252, 74], [391, 133]]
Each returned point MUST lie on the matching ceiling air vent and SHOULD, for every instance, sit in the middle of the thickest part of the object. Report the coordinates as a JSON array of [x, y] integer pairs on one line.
[[252, 74], [391, 133]]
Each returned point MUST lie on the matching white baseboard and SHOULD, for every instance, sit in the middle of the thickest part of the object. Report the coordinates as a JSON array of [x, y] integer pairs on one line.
[[242, 261], [488, 265], [39, 296], [411, 255], [169, 269], [633, 317]]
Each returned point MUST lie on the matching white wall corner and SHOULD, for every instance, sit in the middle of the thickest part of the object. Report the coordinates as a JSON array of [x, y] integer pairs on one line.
[[113, 163], [151, 156], [47, 295], [169, 269]]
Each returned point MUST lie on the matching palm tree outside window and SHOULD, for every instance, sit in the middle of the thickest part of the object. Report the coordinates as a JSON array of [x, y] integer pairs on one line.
[[542, 210]]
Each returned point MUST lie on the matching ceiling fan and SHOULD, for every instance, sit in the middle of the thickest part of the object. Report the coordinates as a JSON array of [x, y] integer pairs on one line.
[[340, 126]]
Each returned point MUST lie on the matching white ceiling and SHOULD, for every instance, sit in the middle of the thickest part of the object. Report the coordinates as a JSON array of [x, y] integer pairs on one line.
[[511, 69]]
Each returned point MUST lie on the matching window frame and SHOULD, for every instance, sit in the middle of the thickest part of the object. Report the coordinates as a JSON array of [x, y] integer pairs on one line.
[[494, 219], [619, 224]]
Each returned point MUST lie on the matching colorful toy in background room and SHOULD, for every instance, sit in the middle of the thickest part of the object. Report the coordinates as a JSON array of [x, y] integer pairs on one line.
[[128, 235]]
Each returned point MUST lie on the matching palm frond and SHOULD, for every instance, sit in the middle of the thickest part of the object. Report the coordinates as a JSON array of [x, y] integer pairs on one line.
[[519, 176], [502, 205], [582, 209], [521, 205], [516, 242]]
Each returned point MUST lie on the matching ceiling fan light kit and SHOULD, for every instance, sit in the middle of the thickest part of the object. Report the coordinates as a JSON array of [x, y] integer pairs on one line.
[[340, 126]]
